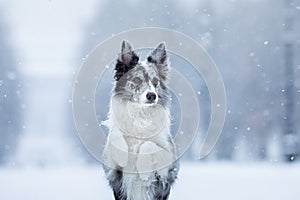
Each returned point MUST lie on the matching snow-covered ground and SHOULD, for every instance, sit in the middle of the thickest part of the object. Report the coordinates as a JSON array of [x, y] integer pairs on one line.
[[197, 181]]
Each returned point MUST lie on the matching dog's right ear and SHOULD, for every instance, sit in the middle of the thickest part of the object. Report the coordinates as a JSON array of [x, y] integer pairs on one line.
[[127, 60]]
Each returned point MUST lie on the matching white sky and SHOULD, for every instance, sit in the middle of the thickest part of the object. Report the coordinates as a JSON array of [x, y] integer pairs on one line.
[[46, 33]]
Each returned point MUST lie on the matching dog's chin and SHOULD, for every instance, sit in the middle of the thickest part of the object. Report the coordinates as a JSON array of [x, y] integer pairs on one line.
[[148, 103]]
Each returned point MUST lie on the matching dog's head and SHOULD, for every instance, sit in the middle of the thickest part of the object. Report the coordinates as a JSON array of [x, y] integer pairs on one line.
[[142, 82]]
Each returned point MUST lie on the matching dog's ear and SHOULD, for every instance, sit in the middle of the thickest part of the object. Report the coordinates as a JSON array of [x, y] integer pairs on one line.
[[127, 59], [160, 58], [158, 55]]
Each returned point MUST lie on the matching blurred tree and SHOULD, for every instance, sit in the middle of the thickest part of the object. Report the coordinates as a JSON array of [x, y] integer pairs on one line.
[[248, 54], [10, 96], [290, 40]]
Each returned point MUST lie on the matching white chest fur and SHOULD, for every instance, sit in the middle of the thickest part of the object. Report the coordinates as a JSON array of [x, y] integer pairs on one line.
[[139, 121], [139, 137]]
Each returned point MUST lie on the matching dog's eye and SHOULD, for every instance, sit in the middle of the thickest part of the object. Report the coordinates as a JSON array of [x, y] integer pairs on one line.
[[137, 80], [155, 82]]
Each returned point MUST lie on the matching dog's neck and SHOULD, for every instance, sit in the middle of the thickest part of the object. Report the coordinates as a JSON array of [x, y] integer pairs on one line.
[[137, 120]]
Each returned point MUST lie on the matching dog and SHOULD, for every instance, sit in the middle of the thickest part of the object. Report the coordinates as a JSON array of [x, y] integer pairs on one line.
[[140, 160]]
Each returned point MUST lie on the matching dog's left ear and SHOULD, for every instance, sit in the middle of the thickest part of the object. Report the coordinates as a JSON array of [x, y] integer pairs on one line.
[[127, 60], [159, 57]]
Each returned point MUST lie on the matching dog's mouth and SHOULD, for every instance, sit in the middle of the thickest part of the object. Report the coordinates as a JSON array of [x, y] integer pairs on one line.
[[150, 103], [145, 102]]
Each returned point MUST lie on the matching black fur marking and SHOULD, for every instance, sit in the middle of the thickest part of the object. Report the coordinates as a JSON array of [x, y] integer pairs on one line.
[[161, 60], [151, 60], [115, 182], [161, 188], [122, 67]]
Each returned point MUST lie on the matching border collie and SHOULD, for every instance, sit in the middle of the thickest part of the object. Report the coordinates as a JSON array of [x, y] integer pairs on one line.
[[140, 155]]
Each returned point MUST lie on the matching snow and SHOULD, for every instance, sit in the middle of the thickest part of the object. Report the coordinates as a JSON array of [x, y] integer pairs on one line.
[[213, 181]]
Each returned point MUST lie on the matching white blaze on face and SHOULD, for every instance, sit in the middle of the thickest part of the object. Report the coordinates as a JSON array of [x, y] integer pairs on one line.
[[144, 64], [150, 89]]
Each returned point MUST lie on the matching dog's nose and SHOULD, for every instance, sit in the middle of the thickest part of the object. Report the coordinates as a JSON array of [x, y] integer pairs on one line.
[[151, 96]]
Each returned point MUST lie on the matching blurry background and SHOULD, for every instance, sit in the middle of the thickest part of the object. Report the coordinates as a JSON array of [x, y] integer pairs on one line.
[[255, 44]]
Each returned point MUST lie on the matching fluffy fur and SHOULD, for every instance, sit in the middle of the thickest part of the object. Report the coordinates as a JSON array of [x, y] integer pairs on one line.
[[139, 154]]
